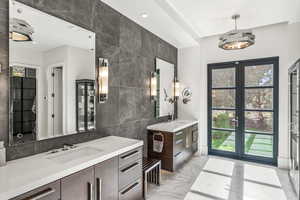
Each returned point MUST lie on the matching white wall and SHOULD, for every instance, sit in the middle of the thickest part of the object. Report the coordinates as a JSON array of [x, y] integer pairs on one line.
[[281, 40], [79, 67]]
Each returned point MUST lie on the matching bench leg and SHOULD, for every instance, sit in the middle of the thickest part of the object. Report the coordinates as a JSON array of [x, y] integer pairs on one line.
[[145, 185], [159, 173]]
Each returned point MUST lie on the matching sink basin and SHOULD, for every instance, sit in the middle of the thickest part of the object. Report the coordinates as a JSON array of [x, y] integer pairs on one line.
[[74, 154]]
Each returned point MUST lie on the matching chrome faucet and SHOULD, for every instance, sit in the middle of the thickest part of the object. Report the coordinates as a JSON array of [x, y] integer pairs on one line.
[[171, 117]]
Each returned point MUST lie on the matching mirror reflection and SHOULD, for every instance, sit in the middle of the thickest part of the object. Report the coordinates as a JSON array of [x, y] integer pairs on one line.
[[52, 76], [164, 105]]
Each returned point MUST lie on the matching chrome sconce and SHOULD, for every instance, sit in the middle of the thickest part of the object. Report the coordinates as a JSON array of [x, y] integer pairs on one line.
[[153, 86], [176, 89], [102, 80]]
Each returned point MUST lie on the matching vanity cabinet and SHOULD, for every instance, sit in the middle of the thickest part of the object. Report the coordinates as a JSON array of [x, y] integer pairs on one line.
[[78, 186], [106, 180], [119, 178], [178, 147], [47, 192], [130, 175]]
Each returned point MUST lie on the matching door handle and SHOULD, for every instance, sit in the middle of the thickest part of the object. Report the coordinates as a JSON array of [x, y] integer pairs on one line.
[[90, 191], [99, 188], [236, 121], [41, 194]]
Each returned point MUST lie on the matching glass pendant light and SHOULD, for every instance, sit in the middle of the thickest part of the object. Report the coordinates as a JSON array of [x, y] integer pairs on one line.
[[236, 39]]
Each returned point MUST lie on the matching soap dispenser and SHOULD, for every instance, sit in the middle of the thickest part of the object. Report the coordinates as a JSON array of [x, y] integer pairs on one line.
[[2, 154]]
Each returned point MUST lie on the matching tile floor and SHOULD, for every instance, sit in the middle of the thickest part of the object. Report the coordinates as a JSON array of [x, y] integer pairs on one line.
[[216, 178]]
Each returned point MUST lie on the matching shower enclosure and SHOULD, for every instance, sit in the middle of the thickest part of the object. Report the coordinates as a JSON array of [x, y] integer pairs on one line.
[[294, 98]]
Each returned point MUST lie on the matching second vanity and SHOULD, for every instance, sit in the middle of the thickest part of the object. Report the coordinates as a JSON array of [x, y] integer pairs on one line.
[[180, 142], [107, 168]]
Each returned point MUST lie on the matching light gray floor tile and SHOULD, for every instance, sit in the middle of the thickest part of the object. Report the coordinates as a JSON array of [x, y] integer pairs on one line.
[[216, 178]]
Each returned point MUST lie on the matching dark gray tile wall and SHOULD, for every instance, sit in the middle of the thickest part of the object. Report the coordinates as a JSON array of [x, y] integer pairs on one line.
[[131, 51]]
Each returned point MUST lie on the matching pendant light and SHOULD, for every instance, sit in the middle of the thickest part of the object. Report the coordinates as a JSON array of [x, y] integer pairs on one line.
[[236, 39], [20, 30]]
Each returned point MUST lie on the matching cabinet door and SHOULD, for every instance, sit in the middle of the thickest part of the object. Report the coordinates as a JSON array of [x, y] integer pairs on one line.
[[47, 192], [188, 138], [78, 186], [106, 180]]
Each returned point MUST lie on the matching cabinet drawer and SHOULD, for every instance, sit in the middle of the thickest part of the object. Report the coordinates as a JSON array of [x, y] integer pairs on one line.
[[130, 156], [179, 135], [132, 192], [47, 192], [129, 173], [178, 146]]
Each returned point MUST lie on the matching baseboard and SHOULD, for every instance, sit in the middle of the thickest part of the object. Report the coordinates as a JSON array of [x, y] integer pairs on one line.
[[203, 150], [283, 162]]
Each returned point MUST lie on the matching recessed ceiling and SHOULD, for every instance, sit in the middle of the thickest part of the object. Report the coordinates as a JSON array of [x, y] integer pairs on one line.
[[182, 23]]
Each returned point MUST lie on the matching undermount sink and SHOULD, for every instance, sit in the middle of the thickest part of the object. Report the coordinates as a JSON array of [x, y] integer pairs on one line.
[[74, 154]]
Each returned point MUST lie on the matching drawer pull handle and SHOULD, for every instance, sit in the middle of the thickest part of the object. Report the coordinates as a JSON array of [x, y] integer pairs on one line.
[[179, 141], [129, 155], [41, 194], [177, 154], [90, 191], [99, 188], [130, 188], [179, 133], [129, 167]]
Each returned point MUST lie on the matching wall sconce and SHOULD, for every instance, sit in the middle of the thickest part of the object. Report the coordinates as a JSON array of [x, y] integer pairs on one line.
[[176, 89], [153, 86], [103, 80]]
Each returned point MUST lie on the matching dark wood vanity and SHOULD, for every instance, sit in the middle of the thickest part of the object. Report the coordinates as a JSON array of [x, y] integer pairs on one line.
[[119, 178], [178, 147]]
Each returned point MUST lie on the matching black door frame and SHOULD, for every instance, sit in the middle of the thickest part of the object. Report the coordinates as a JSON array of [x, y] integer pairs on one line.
[[239, 154]]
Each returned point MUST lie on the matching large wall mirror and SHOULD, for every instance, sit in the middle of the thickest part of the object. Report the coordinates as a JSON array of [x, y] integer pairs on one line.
[[52, 76], [164, 105]]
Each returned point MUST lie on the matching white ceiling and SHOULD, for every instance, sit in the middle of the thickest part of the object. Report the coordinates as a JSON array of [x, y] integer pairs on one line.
[[183, 22]]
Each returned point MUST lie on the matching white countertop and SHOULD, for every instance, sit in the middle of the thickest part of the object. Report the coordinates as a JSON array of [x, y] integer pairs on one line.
[[172, 126], [23, 175]]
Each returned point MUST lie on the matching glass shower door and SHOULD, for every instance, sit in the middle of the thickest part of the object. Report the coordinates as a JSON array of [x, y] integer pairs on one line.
[[294, 125]]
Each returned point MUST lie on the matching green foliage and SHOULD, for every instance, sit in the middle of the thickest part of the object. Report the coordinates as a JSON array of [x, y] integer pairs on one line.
[[222, 120]]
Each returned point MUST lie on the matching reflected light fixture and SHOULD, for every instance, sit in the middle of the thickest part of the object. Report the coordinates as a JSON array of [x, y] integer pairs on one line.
[[103, 80], [236, 39], [176, 88], [20, 30], [153, 86]]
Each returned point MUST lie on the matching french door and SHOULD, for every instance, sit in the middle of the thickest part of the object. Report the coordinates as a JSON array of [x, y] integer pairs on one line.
[[243, 109]]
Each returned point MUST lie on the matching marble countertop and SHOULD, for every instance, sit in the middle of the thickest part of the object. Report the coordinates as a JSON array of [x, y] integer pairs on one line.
[[172, 126], [20, 176]]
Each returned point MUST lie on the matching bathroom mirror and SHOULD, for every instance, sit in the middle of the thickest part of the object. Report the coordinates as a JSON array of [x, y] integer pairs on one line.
[[52, 76], [164, 104]]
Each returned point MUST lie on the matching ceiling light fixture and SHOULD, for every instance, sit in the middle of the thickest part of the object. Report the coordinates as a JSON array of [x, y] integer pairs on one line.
[[20, 30], [144, 15], [236, 39]]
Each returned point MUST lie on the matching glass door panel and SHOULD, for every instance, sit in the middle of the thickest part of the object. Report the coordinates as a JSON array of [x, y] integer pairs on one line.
[[243, 109], [223, 109], [259, 110]]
